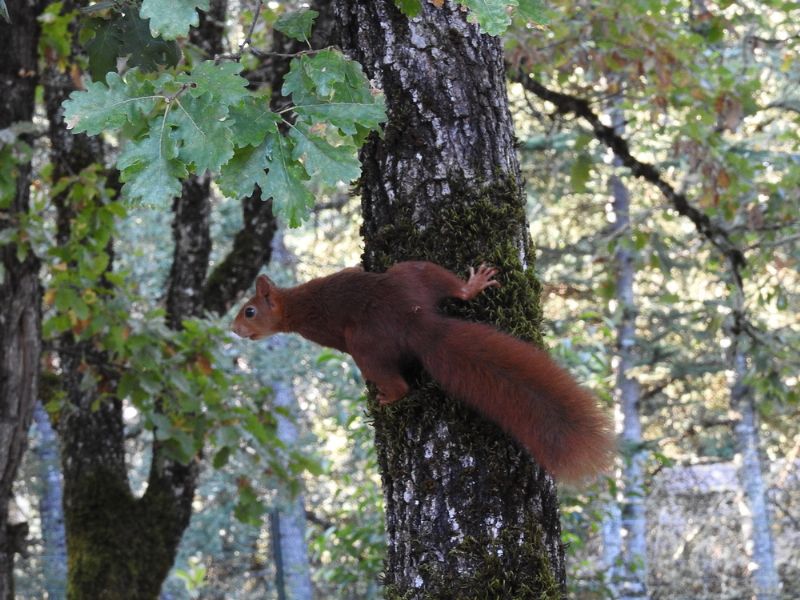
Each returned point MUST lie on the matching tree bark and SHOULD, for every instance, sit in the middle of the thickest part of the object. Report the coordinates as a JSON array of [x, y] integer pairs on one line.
[[20, 291], [468, 513]]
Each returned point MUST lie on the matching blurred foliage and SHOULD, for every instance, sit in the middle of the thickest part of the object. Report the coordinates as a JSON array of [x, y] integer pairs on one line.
[[709, 95]]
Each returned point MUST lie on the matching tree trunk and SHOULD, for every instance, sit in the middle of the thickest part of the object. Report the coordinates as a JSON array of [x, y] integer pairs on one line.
[[468, 513], [757, 525], [51, 510], [634, 523], [120, 546], [20, 292], [289, 516]]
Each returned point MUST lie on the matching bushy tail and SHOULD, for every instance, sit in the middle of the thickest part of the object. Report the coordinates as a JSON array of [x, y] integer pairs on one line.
[[523, 390]]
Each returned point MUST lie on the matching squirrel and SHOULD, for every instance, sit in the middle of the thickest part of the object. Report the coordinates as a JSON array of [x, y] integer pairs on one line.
[[386, 321]]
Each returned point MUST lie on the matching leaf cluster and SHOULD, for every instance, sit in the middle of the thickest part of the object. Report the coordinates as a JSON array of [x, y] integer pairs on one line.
[[203, 118]]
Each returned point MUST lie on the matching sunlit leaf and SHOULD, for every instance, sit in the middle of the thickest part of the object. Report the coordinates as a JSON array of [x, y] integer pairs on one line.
[[172, 18], [297, 24]]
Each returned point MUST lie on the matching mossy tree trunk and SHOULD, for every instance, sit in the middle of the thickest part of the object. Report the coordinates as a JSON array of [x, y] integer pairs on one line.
[[468, 513], [120, 546], [20, 292]]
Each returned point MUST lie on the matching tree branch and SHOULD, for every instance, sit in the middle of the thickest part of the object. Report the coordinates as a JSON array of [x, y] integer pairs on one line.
[[580, 107]]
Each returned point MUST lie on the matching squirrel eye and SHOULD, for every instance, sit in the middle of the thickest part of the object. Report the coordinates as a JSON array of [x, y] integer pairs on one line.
[[249, 312]]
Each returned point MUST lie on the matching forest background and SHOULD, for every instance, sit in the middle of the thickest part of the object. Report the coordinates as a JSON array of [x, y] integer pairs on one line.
[[659, 146]]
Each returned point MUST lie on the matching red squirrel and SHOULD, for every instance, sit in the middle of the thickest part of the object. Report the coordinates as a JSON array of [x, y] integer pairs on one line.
[[385, 320]]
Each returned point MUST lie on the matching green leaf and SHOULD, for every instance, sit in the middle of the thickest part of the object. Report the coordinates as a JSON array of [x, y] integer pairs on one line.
[[329, 87], [143, 50], [104, 106], [205, 140], [222, 81], [172, 18], [8, 177], [149, 171], [410, 8], [491, 15], [125, 35], [55, 34], [4, 11], [285, 183], [104, 47], [251, 121], [346, 116], [221, 457], [329, 163], [66, 298], [581, 173], [532, 10], [249, 508], [297, 24], [241, 173], [311, 78]]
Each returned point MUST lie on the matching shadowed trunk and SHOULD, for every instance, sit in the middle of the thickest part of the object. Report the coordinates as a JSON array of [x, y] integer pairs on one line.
[[120, 546], [468, 513], [20, 292]]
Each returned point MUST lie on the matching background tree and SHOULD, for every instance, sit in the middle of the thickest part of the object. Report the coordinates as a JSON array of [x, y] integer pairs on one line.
[[698, 141], [20, 291], [119, 543]]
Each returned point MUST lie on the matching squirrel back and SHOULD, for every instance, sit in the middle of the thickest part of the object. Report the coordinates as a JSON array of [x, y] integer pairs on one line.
[[386, 319]]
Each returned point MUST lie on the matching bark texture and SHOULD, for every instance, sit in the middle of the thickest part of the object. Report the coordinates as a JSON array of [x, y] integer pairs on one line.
[[20, 292], [468, 513]]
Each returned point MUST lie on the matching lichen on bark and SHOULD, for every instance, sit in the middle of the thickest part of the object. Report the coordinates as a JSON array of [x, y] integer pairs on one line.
[[468, 513]]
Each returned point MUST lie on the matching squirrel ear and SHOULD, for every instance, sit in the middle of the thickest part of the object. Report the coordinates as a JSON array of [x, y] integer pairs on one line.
[[263, 285]]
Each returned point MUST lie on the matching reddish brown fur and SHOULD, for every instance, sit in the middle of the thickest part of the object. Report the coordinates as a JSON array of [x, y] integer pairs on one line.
[[383, 320]]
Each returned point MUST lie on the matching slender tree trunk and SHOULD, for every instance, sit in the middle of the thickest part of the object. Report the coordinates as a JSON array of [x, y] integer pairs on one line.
[[51, 511], [468, 513], [120, 546], [20, 292], [634, 522], [758, 533], [289, 517]]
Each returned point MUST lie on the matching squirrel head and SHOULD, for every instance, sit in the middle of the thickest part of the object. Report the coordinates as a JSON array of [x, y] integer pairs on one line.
[[261, 315]]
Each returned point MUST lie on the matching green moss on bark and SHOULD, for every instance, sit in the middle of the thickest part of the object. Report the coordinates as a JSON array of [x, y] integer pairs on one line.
[[472, 226], [530, 579], [487, 225], [116, 548]]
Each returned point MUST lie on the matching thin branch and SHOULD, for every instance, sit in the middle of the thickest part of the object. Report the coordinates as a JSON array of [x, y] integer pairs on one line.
[[249, 38], [567, 104], [236, 56], [786, 105], [775, 243]]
